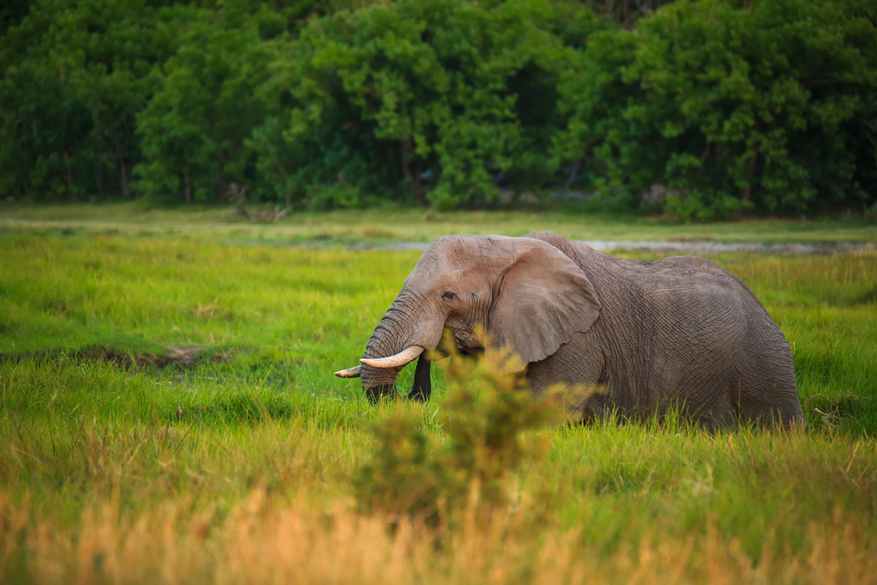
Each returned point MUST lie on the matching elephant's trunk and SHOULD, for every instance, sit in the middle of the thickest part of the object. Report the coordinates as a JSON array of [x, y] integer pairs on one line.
[[403, 334]]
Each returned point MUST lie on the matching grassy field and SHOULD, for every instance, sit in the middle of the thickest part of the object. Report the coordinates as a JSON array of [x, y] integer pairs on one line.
[[169, 415], [378, 226]]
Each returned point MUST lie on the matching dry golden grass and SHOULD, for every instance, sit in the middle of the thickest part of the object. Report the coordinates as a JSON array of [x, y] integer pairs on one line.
[[264, 540]]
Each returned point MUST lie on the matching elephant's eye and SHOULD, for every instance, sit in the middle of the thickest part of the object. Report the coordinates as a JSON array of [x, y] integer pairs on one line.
[[448, 295]]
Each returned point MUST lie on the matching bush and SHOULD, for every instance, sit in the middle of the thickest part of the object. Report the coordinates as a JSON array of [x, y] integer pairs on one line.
[[484, 417]]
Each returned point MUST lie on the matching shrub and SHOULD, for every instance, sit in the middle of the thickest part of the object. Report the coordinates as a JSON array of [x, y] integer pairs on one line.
[[484, 417]]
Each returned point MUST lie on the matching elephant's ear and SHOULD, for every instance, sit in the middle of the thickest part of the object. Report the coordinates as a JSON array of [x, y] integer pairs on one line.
[[542, 299]]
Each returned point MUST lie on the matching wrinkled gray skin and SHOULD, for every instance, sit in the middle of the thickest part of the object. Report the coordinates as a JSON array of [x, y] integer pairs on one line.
[[676, 331]]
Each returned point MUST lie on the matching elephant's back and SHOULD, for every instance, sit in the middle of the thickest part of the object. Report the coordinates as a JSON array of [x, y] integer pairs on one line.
[[763, 384], [686, 265]]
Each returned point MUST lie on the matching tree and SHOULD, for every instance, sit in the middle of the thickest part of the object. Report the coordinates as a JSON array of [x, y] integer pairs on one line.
[[625, 12], [43, 127], [194, 128], [11, 13], [765, 105], [75, 75], [424, 94]]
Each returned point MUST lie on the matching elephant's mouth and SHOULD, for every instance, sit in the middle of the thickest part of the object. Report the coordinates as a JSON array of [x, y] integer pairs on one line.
[[473, 351], [465, 341], [469, 346]]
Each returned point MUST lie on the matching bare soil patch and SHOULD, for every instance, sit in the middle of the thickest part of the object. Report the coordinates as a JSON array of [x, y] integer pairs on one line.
[[176, 356]]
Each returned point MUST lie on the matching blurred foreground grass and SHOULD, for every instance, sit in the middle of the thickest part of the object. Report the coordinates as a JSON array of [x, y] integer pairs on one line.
[[110, 475], [239, 468]]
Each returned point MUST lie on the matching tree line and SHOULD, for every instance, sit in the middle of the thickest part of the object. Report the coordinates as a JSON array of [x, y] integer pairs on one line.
[[717, 106]]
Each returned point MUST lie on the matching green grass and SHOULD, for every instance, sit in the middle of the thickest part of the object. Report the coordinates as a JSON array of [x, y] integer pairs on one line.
[[240, 467], [380, 226], [178, 481]]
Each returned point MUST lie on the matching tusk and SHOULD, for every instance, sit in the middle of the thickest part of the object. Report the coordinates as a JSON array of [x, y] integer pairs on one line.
[[394, 361], [353, 372]]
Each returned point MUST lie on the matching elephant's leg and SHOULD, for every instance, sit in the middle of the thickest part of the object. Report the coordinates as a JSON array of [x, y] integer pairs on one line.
[[765, 391], [422, 387], [714, 413]]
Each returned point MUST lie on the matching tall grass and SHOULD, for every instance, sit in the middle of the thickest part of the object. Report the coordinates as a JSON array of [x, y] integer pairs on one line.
[[299, 314], [243, 467], [93, 491], [263, 541], [63, 293]]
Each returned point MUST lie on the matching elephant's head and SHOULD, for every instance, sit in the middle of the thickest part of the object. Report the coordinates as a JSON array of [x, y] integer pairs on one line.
[[526, 294]]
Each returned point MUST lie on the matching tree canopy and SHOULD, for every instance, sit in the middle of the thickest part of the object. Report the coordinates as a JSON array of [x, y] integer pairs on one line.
[[726, 106]]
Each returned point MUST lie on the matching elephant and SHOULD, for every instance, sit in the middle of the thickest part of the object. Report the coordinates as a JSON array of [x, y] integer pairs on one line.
[[649, 334]]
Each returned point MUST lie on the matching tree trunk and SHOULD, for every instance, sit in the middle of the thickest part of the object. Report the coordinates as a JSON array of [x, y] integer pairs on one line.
[[406, 170], [221, 184], [123, 169], [68, 178], [412, 172], [287, 196], [746, 195], [574, 173], [97, 178]]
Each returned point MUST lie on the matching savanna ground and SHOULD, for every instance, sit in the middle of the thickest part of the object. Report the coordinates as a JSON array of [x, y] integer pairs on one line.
[[169, 415]]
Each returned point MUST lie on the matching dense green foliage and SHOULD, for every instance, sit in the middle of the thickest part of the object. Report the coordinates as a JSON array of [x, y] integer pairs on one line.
[[770, 106], [726, 105], [394, 94]]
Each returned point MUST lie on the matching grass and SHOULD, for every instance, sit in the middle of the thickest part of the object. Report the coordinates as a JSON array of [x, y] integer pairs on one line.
[[240, 467], [380, 226]]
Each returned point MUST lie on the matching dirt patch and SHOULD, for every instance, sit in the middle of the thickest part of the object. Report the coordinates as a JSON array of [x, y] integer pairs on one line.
[[868, 297], [176, 356], [188, 356]]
